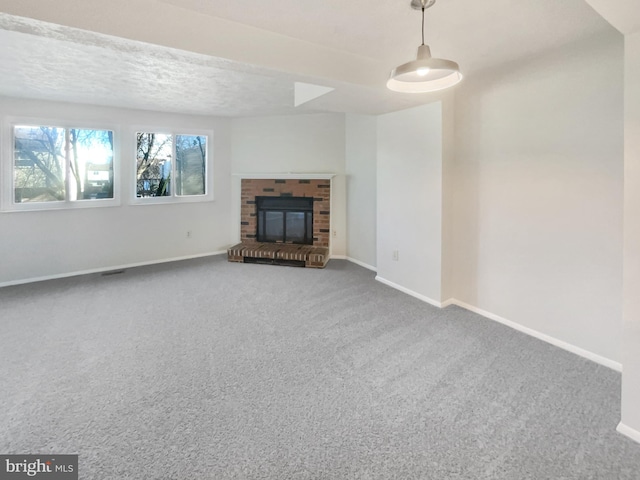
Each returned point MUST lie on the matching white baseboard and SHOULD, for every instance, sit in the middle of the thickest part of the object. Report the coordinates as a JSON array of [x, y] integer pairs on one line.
[[516, 326], [452, 301], [107, 269], [628, 432], [446, 303], [339, 257], [362, 264], [409, 292], [541, 336]]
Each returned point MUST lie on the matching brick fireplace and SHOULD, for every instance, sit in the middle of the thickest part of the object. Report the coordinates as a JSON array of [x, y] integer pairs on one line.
[[319, 190], [254, 191]]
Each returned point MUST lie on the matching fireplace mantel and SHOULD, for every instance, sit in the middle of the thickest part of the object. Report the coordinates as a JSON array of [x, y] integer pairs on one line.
[[285, 176]]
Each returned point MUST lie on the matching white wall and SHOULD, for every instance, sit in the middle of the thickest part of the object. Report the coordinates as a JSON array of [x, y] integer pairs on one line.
[[538, 195], [39, 244], [631, 332], [625, 16], [361, 153], [622, 14], [448, 179], [409, 209], [312, 143]]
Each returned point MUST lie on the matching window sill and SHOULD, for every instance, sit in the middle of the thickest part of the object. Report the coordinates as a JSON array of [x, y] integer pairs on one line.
[[171, 200], [60, 206]]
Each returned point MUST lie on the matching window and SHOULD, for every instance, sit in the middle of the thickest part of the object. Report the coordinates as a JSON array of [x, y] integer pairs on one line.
[[56, 165], [50, 164], [171, 165]]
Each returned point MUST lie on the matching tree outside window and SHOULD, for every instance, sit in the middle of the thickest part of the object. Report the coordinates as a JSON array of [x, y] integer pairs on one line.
[[55, 164], [157, 175]]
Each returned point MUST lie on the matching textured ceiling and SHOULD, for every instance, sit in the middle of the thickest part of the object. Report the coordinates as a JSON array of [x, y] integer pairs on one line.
[[135, 75], [49, 61]]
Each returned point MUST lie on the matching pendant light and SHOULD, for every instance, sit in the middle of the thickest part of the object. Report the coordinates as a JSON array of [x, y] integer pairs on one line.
[[425, 73]]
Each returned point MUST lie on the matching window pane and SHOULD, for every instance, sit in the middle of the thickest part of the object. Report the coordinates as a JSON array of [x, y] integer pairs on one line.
[[191, 161], [39, 164], [91, 156], [154, 164]]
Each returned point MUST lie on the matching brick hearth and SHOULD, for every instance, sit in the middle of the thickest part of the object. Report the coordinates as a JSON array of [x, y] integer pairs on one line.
[[280, 253]]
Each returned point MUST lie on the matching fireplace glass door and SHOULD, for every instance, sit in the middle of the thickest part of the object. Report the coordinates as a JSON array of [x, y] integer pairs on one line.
[[285, 219]]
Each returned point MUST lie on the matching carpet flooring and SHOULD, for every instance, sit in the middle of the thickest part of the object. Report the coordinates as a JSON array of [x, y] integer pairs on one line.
[[204, 369]]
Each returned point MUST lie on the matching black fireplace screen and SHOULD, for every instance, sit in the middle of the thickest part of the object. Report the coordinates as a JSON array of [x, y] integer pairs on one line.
[[285, 219]]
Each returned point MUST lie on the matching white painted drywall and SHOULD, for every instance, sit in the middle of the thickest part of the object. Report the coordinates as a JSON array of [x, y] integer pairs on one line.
[[361, 153], [622, 14], [311, 143], [448, 179], [625, 16], [631, 332], [409, 210], [49, 243], [538, 194]]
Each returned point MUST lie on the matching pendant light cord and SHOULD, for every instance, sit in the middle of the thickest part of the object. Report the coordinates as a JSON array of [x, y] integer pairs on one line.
[[422, 25]]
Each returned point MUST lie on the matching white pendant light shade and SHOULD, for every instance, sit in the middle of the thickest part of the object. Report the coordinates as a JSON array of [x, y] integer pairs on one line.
[[425, 74]]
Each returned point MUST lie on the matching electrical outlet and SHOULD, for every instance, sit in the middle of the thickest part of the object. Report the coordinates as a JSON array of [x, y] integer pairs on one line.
[[334, 233], [189, 234], [396, 255]]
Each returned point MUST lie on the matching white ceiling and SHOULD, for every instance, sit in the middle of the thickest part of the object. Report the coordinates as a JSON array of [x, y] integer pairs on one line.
[[45, 60], [475, 33]]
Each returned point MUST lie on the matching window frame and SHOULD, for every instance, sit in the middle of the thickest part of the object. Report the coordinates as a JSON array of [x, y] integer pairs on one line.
[[208, 196], [7, 159]]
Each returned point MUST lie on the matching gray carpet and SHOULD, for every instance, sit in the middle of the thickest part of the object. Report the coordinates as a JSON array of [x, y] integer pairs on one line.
[[209, 370]]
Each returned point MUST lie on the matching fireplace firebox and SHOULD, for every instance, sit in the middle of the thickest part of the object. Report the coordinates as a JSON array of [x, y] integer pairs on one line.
[[285, 219]]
